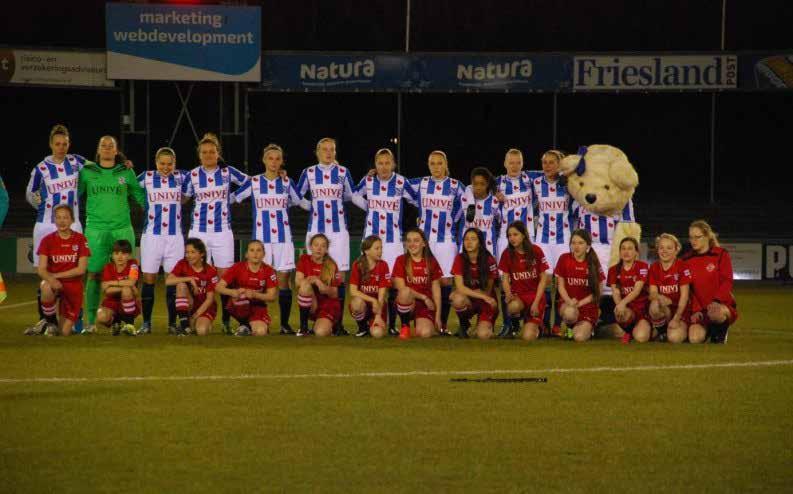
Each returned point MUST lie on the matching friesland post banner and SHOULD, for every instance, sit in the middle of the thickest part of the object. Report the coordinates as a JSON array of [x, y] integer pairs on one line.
[[183, 42]]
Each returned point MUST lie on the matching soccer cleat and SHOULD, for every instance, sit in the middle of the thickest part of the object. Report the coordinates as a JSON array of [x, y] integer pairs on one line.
[[556, 331], [340, 331], [506, 331], [173, 330], [145, 328], [393, 332], [243, 330], [304, 332], [37, 328], [227, 330], [626, 338], [89, 329], [115, 329], [444, 332], [363, 333], [569, 334], [52, 330], [404, 333], [128, 330], [286, 330], [462, 333]]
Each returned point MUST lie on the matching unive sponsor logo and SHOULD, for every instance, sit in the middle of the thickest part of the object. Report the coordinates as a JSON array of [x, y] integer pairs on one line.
[[656, 72], [577, 281], [518, 200], [269, 202], [159, 197], [436, 203], [63, 258], [558, 206], [332, 192], [359, 71], [211, 195], [525, 275], [483, 223], [56, 186], [666, 289], [514, 71], [106, 189], [384, 204]]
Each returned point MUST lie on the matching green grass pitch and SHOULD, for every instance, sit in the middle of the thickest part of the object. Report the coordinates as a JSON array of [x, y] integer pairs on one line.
[[220, 414]]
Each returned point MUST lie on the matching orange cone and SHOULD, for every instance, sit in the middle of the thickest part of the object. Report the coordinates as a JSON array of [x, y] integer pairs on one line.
[[404, 333]]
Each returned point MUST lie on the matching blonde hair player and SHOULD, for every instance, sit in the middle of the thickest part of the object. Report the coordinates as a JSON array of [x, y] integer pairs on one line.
[[318, 280]]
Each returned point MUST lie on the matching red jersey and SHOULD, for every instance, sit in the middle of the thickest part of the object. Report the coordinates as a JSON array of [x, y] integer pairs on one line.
[[207, 277], [458, 269], [63, 254], [669, 281], [422, 277], [308, 267], [240, 276], [523, 277], [626, 279], [110, 273], [576, 276], [711, 278], [379, 277]]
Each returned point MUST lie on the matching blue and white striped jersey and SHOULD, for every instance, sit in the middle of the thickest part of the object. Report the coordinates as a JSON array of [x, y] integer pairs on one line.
[[330, 186], [382, 201], [439, 203], [555, 212], [56, 183], [163, 201], [487, 218], [602, 227], [518, 204], [271, 199], [210, 190]]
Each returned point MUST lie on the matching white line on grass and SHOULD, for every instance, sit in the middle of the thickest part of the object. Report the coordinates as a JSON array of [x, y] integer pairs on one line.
[[21, 304], [241, 377]]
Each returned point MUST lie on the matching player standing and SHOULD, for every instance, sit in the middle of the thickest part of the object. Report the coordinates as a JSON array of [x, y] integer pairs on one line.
[[210, 186], [161, 243], [440, 208], [272, 195], [481, 208], [381, 195], [330, 186]]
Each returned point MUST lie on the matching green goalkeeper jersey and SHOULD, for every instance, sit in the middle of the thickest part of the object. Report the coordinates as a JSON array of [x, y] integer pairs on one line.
[[107, 192]]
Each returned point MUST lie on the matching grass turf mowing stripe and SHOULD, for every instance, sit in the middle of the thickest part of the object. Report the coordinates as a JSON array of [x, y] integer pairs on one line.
[[240, 377], [20, 304]]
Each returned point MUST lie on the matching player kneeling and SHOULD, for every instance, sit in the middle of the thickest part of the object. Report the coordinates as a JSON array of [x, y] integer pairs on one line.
[[579, 277], [475, 272], [627, 281], [63, 258], [317, 280], [119, 286], [369, 284], [417, 277], [250, 284], [195, 282], [524, 279], [669, 279]]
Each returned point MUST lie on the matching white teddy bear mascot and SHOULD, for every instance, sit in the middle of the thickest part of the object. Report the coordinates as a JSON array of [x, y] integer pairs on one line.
[[602, 181]]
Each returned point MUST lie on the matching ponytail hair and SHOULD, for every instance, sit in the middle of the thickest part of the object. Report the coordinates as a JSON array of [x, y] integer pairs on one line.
[[481, 260], [59, 130], [526, 246], [620, 263], [272, 148], [440, 153], [328, 264], [363, 263], [671, 238], [165, 151], [593, 264], [703, 225], [426, 253]]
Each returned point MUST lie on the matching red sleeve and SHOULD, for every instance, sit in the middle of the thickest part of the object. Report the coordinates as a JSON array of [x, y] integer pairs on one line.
[[652, 276], [643, 269], [337, 280], [399, 268], [355, 275], [492, 269], [231, 275], [213, 280], [178, 269], [385, 276], [503, 265], [44, 247], [542, 262], [107, 273], [435, 270], [457, 267], [685, 274], [612, 277], [301, 265], [270, 279], [84, 251], [601, 276], [724, 292], [560, 270]]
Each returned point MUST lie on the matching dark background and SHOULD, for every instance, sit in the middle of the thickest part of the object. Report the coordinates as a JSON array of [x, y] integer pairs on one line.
[[666, 136]]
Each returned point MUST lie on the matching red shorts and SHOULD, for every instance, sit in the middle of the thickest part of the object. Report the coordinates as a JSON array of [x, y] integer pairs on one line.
[[328, 308], [420, 311], [588, 313], [246, 311], [528, 298], [639, 312], [114, 304], [705, 321], [71, 299], [211, 311], [685, 317], [483, 310]]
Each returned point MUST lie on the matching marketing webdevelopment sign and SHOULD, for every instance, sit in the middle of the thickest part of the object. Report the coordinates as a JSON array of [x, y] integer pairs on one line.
[[654, 72], [282, 71], [183, 42]]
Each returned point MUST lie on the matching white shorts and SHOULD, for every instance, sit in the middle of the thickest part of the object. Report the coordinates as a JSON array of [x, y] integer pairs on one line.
[[444, 253], [41, 230], [552, 253], [220, 247], [604, 256], [391, 252], [160, 250], [281, 256], [339, 249]]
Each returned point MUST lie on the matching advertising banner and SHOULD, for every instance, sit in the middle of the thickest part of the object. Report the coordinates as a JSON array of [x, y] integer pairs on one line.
[[654, 72], [50, 67]]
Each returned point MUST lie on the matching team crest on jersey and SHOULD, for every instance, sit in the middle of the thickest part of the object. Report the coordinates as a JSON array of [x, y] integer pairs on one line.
[[122, 180], [75, 247], [710, 267], [676, 276]]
